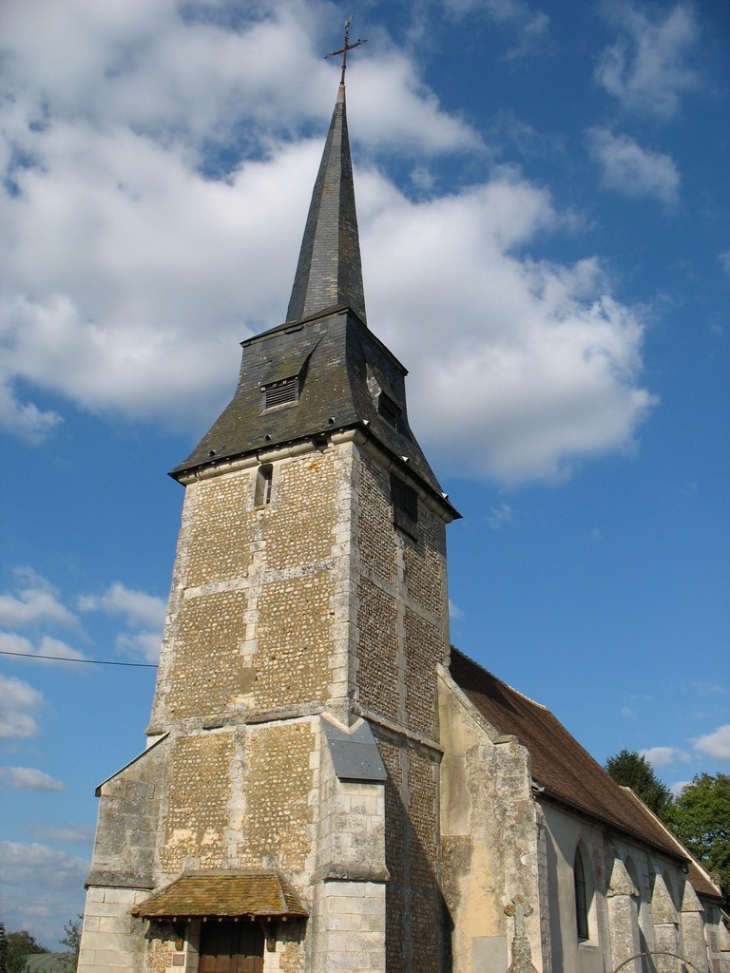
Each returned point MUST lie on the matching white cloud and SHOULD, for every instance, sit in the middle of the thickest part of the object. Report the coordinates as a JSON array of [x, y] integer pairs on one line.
[[542, 364], [145, 645], [54, 649], [499, 516], [28, 778], [19, 705], [663, 756], [34, 600], [645, 69], [72, 833], [631, 170], [118, 247], [136, 607], [42, 888], [724, 260], [680, 785], [32, 863], [716, 744], [455, 613]]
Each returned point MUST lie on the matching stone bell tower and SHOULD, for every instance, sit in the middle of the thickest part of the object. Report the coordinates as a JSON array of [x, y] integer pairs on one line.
[[285, 813]]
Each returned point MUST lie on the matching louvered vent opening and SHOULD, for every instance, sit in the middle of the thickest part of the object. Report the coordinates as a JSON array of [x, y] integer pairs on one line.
[[279, 393], [405, 506], [388, 409]]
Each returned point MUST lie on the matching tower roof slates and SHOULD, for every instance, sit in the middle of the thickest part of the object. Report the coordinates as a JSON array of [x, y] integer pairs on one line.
[[329, 271]]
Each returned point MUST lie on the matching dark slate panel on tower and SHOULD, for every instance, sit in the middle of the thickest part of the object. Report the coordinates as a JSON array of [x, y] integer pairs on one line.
[[344, 369], [329, 272]]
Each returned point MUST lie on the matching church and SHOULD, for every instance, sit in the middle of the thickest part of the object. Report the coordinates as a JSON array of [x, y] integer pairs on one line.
[[328, 785]]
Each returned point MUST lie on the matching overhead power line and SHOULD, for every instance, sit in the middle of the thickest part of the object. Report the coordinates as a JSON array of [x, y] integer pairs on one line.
[[93, 662]]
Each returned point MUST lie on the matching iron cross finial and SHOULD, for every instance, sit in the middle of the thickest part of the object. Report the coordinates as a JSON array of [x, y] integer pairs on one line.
[[346, 46]]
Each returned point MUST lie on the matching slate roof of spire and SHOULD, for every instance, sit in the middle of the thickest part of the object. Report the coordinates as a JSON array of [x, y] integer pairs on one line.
[[329, 272], [340, 375]]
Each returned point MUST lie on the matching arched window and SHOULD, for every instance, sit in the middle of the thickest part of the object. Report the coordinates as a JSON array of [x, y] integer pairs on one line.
[[581, 897]]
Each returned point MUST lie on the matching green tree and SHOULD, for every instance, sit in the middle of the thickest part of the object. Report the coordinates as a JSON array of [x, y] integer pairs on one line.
[[630, 769], [18, 946], [700, 818], [72, 940], [3, 949]]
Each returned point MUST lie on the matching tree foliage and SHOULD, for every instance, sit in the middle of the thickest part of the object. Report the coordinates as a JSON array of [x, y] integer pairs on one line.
[[15, 947], [72, 939], [630, 769], [700, 818]]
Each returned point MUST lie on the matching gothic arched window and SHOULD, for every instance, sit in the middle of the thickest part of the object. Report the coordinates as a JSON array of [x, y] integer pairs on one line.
[[581, 896]]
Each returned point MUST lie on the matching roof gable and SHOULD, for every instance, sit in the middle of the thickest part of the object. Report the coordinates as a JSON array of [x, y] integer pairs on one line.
[[560, 765]]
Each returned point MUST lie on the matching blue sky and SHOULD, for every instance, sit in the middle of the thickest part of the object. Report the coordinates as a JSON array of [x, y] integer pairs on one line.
[[544, 208]]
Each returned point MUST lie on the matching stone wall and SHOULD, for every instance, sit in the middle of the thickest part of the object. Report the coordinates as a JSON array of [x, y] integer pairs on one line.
[[283, 608], [639, 902], [490, 837], [257, 592]]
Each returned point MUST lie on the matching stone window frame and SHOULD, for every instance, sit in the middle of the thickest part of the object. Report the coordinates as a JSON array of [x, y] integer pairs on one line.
[[405, 506], [580, 891], [264, 484], [585, 898]]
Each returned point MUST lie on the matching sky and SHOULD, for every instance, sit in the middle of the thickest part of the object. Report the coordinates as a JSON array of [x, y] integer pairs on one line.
[[544, 212]]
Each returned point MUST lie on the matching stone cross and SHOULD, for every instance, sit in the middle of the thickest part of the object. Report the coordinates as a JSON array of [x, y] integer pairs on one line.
[[520, 910], [346, 46], [521, 953]]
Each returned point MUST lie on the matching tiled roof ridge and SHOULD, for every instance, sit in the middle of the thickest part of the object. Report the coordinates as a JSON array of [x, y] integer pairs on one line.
[[685, 852], [561, 766], [528, 699]]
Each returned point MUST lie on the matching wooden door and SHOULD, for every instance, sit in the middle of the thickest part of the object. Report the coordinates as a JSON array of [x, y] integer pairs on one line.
[[231, 947]]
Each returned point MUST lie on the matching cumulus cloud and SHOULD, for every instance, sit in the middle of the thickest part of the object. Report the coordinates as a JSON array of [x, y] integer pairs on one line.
[[23, 864], [71, 833], [663, 756], [646, 68], [26, 868], [716, 744], [144, 645], [28, 778], [51, 649], [631, 170], [156, 168], [19, 706], [541, 366], [33, 600], [137, 609]]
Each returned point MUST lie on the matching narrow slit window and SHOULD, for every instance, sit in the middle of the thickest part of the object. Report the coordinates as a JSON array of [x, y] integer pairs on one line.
[[264, 478], [405, 506], [581, 897]]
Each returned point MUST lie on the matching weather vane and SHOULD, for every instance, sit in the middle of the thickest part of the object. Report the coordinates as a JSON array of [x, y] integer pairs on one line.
[[346, 46]]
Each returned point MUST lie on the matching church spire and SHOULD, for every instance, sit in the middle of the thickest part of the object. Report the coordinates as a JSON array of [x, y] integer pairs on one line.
[[329, 272]]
